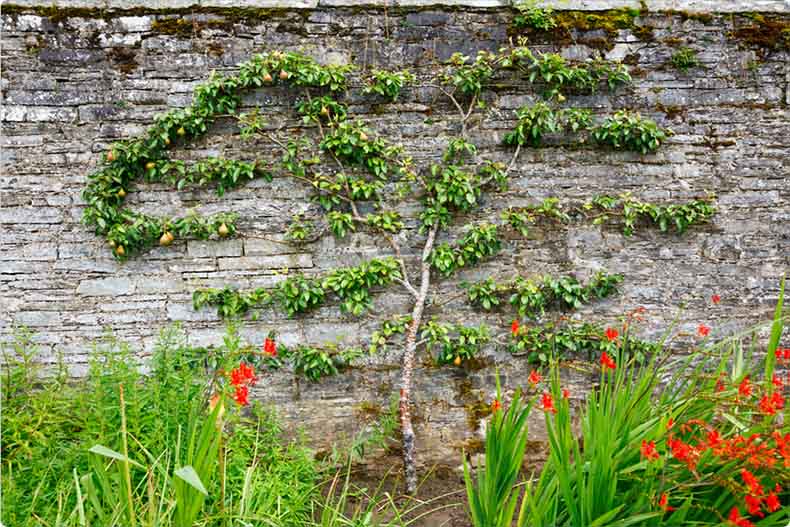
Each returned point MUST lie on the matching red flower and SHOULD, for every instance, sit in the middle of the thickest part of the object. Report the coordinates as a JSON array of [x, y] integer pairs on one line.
[[514, 327], [547, 402], [607, 361], [611, 334], [269, 347], [534, 377], [772, 503], [242, 375], [566, 394], [787, 353], [241, 395], [719, 385], [648, 450], [496, 405], [735, 517], [753, 483], [777, 381], [670, 423], [767, 406], [715, 299], [745, 388], [753, 505], [703, 330], [663, 503]]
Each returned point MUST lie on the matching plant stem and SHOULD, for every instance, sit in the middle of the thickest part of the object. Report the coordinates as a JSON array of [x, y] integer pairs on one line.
[[126, 470], [409, 448]]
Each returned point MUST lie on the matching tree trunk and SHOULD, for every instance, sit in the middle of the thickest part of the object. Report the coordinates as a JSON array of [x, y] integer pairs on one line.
[[407, 431]]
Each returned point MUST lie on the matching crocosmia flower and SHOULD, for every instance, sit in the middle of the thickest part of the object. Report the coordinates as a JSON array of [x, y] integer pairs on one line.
[[648, 450], [611, 334], [607, 361], [715, 299], [496, 405], [745, 388], [547, 403], [772, 503], [663, 503], [703, 330], [242, 395], [514, 327], [269, 347], [534, 377]]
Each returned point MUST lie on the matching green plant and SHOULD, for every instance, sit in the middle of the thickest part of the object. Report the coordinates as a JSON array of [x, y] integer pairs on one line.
[[479, 243], [631, 210], [541, 344], [533, 123], [55, 474], [700, 451], [388, 83], [299, 229], [684, 59], [492, 494], [455, 343], [630, 131], [530, 15], [520, 219], [315, 363]]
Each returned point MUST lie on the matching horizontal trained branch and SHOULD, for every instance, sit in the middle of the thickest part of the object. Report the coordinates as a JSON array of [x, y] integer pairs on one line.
[[299, 293]]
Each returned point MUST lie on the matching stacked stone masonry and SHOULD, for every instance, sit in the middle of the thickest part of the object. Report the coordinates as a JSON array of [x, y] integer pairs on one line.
[[74, 81]]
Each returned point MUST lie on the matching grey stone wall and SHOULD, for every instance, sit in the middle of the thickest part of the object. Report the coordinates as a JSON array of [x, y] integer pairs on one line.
[[75, 82]]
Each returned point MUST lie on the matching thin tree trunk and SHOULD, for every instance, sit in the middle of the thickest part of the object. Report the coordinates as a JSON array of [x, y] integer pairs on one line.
[[409, 449]]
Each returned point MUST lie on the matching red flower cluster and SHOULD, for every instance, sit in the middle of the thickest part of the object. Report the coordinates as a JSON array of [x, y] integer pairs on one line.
[[496, 406], [242, 378], [757, 498], [611, 334], [534, 377], [514, 327], [782, 354], [649, 451], [770, 404], [715, 299], [703, 330], [269, 347], [547, 403], [745, 388], [736, 519], [755, 450], [607, 361]]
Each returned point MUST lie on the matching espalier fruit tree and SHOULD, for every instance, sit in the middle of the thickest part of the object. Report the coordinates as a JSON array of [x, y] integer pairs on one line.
[[358, 179]]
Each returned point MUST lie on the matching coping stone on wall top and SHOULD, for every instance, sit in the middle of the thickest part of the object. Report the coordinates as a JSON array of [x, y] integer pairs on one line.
[[711, 6]]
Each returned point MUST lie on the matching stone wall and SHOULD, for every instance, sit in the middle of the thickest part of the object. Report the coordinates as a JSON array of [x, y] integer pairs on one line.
[[75, 79]]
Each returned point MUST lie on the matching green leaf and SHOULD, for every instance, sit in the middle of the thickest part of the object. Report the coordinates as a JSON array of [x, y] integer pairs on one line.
[[102, 450], [188, 474]]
